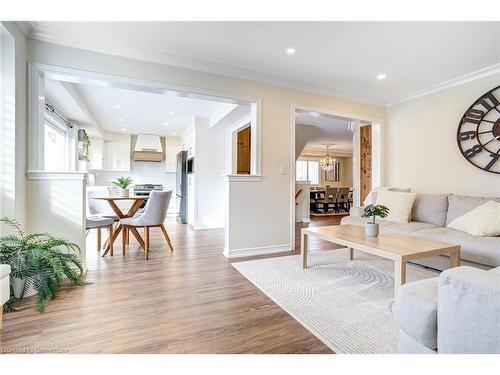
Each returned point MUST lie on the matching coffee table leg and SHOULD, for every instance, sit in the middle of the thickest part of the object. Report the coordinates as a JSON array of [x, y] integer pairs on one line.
[[303, 249], [350, 253], [455, 259], [399, 275]]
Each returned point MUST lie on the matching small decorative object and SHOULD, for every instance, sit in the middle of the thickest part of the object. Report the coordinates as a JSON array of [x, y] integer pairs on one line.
[[83, 145], [478, 134], [372, 211], [38, 261], [123, 183]]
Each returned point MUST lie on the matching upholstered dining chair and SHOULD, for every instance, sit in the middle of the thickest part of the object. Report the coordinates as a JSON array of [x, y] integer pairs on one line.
[[99, 222], [153, 216], [99, 214]]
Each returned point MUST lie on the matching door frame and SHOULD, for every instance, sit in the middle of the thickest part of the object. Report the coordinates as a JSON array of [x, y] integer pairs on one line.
[[377, 175]]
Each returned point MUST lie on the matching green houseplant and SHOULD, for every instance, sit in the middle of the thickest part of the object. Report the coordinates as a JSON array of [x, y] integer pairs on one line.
[[123, 183], [372, 211], [84, 145], [41, 261]]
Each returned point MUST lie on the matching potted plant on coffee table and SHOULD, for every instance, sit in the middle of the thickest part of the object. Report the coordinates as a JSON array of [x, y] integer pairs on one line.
[[372, 211], [123, 183]]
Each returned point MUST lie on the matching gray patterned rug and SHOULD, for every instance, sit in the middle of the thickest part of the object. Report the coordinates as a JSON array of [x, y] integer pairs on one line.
[[345, 304]]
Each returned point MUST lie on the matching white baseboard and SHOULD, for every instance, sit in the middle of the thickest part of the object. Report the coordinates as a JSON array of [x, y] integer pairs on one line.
[[252, 251]]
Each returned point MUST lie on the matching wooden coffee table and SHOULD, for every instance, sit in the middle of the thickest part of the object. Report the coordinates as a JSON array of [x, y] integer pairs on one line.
[[398, 247]]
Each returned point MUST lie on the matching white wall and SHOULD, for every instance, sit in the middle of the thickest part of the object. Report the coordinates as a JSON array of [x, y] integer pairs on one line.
[[420, 144], [259, 223], [209, 167], [21, 116], [57, 205], [7, 125]]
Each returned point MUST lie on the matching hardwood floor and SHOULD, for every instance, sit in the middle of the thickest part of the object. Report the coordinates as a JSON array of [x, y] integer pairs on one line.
[[315, 243], [190, 301]]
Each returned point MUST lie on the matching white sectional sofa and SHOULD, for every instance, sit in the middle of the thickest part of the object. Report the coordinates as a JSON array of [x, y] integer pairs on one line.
[[4, 288], [455, 313], [430, 215]]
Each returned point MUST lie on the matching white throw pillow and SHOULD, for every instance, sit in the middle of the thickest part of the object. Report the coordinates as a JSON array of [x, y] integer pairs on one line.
[[371, 198], [482, 221], [399, 204]]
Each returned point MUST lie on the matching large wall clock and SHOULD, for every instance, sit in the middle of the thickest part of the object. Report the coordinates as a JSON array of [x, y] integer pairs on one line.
[[478, 134]]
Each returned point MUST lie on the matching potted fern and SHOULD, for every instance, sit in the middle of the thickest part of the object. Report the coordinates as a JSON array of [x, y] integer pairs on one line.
[[39, 261], [123, 183], [372, 211]]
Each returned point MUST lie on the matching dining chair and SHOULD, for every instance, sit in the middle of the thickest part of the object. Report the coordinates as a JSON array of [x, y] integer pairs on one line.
[[152, 217], [99, 222]]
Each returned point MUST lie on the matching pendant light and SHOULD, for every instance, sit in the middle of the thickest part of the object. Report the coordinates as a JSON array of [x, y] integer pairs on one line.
[[327, 162]]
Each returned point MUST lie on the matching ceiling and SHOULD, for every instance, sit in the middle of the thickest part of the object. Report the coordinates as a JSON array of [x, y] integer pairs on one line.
[[336, 58], [329, 130], [133, 112]]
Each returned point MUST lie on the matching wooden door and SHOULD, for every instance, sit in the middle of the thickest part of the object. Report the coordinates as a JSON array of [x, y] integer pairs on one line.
[[243, 151], [365, 161]]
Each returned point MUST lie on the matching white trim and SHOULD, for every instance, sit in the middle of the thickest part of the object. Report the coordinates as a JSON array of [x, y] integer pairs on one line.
[[253, 251], [67, 175], [481, 73], [243, 177], [293, 108]]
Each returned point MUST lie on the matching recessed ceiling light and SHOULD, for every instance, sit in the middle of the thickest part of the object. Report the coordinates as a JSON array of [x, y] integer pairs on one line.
[[124, 130], [381, 76], [165, 123], [170, 112], [291, 51], [173, 133], [120, 119], [117, 106]]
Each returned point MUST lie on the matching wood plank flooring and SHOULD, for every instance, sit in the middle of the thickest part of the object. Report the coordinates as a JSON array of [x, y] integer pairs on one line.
[[191, 301]]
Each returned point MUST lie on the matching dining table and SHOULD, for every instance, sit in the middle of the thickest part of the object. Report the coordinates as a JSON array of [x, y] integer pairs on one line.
[[138, 200]]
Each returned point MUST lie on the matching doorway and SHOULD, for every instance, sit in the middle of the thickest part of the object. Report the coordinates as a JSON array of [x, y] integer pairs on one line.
[[335, 162]]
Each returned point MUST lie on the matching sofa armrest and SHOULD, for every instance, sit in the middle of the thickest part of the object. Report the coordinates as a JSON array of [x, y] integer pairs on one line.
[[469, 311], [356, 211], [4, 283], [415, 311]]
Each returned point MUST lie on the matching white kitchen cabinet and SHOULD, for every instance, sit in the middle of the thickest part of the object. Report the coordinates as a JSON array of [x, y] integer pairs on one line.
[[173, 146], [96, 154], [116, 156]]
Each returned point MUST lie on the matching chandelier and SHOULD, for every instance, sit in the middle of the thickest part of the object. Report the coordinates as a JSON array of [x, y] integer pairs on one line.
[[327, 162]]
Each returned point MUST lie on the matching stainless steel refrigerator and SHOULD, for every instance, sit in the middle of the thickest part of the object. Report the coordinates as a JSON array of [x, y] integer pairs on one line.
[[181, 186]]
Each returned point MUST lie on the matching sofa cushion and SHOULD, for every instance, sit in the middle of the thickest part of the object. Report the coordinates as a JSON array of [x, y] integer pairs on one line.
[[390, 226], [483, 250], [415, 311], [431, 208], [482, 221], [460, 204]]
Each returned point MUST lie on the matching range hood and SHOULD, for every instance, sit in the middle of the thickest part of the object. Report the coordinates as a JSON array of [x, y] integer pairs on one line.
[[148, 148]]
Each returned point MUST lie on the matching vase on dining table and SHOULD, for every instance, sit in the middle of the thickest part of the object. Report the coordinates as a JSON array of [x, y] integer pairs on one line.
[[124, 192]]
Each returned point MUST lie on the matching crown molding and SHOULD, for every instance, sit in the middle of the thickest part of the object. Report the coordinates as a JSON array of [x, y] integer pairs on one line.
[[26, 27], [485, 72]]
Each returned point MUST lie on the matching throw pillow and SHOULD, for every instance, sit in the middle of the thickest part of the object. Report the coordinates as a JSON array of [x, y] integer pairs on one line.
[[482, 221], [371, 198], [399, 204]]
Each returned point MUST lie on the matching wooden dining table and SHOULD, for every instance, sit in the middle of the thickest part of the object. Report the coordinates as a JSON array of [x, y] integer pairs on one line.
[[138, 201]]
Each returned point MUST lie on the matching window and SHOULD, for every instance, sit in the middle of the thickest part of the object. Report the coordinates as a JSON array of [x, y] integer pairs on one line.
[[307, 170], [55, 146]]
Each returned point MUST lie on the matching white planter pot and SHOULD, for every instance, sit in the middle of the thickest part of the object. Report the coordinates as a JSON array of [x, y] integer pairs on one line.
[[371, 229], [18, 286], [124, 192]]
